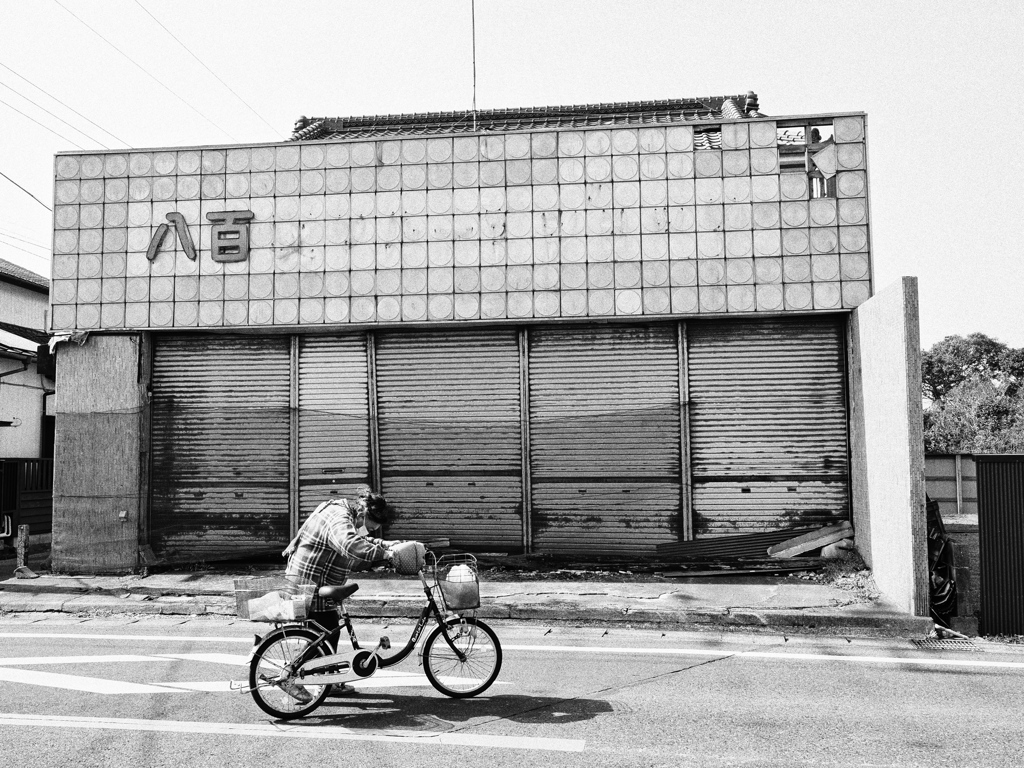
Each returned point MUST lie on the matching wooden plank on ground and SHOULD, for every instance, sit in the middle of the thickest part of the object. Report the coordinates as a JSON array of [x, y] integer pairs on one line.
[[820, 538]]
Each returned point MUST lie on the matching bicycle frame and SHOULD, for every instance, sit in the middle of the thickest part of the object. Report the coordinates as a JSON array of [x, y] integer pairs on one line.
[[430, 610]]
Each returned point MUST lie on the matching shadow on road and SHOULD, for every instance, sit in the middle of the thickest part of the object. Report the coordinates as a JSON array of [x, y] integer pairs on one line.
[[382, 712]]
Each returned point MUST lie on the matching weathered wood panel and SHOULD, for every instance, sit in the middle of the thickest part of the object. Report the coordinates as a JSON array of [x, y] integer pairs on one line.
[[96, 455]]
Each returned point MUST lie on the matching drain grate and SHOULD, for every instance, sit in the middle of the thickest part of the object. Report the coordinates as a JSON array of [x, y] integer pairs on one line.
[[933, 644]]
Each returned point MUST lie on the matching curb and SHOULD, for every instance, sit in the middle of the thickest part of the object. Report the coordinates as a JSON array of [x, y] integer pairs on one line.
[[201, 605]]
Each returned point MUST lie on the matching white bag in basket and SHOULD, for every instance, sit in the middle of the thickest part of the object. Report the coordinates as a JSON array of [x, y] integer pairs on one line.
[[275, 606], [407, 557], [460, 588]]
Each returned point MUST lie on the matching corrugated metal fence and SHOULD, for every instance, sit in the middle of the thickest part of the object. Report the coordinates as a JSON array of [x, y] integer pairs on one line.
[[1001, 531]]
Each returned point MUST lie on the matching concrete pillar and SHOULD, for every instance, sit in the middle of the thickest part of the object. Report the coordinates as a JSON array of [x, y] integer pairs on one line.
[[97, 481], [887, 444]]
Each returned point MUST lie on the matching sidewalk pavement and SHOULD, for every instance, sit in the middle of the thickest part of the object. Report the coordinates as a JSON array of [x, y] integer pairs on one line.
[[774, 603]]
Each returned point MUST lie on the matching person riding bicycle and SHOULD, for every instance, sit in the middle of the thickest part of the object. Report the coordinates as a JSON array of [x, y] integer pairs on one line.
[[336, 540]]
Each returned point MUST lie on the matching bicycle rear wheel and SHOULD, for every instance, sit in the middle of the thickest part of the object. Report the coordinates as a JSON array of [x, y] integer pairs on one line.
[[458, 678], [276, 693]]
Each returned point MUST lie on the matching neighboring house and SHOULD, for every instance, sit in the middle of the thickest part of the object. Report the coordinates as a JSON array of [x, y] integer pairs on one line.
[[26, 408], [591, 328]]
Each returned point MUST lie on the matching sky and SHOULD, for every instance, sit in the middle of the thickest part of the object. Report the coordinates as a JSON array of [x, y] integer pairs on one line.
[[942, 84]]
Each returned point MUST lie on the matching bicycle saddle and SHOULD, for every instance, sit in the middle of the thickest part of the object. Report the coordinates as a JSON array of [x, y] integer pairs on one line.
[[337, 594]]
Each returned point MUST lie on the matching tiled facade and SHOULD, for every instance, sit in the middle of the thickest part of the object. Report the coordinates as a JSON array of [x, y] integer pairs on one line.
[[533, 224]]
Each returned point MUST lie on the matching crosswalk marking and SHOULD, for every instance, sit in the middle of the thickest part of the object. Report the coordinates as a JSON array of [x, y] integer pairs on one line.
[[297, 731], [77, 682]]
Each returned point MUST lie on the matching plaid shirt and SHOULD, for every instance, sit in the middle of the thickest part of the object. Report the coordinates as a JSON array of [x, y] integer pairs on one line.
[[329, 548]]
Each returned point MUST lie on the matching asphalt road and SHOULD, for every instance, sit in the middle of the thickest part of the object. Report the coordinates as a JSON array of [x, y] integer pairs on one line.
[[155, 692]]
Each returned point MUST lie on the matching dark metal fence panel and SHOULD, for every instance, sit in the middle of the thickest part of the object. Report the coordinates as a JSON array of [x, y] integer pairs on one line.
[[26, 493], [1001, 532]]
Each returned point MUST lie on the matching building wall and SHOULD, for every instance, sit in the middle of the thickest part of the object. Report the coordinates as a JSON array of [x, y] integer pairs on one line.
[[97, 482], [23, 306], [888, 445], [21, 399], [543, 224]]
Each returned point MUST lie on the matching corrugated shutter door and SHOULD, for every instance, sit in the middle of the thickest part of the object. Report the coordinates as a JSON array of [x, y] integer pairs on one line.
[[334, 419], [449, 428], [604, 438], [220, 432], [768, 425]]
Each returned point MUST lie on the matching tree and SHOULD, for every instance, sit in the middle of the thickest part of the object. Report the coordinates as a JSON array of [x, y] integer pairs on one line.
[[956, 359], [976, 393]]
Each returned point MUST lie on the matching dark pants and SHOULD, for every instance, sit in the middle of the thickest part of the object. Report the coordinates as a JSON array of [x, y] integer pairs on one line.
[[328, 620]]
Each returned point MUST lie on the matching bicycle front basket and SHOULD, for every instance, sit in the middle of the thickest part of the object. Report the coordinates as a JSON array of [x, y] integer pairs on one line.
[[273, 598], [458, 582]]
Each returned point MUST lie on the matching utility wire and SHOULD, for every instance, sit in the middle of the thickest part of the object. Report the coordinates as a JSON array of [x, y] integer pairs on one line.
[[9, 236], [26, 191], [203, 64], [40, 106], [41, 125], [72, 109], [145, 71], [17, 248]]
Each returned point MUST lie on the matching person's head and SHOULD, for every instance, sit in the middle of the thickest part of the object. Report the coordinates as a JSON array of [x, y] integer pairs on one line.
[[374, 512]]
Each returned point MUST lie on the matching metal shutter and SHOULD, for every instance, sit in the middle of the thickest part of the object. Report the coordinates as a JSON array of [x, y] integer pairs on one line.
[[768, 426], [220, 433], [604, 438], [449, 421], [334, 419]]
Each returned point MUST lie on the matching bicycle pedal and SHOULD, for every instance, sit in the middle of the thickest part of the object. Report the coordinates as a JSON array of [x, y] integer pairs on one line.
[[385, 643]]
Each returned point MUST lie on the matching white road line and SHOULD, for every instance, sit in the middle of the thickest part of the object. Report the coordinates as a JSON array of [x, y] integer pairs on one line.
[[769, 655], [284, 730], [147, 638], [24, 661], [76, 682]]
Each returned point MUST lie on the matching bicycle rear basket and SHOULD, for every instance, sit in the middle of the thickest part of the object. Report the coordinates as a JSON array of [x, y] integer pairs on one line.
[[457, 580], [273, 598]]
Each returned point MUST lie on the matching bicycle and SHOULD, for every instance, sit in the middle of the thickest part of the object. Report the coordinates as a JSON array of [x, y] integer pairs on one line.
[[293, 667]]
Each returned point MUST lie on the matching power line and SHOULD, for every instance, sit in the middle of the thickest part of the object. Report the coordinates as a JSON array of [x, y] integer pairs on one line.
[[41, 125], [9, 236], [145, 71], [26, 191], [203, 64], [72, 109], [40, 106], [15, 247]]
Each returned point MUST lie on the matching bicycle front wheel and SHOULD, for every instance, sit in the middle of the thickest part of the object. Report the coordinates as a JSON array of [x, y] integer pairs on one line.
[[462, 678], [275, 691]]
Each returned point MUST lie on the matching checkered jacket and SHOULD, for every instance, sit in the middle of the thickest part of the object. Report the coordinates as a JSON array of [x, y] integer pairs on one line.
[[329, 548]]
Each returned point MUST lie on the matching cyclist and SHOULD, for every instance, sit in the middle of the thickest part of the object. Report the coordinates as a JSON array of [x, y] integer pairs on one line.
[[336, 540]]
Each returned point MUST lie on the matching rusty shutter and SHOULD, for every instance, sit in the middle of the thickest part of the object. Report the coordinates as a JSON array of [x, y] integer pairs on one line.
[[604, 438], [450, 435], [220, 444], [768, 426], [334, 419]]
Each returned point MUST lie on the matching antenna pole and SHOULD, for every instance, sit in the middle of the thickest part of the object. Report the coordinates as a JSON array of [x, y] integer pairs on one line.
[[472, 11]]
